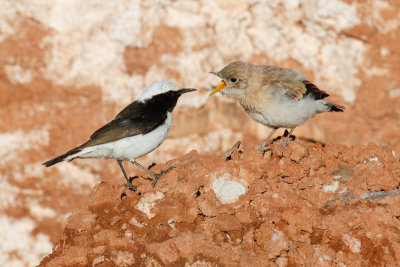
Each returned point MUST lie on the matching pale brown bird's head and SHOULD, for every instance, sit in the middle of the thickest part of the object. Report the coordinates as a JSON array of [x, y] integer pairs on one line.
[[234, 79]]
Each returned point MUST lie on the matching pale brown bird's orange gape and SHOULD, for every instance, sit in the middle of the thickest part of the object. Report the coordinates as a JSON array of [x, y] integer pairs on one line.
[[273, 96]]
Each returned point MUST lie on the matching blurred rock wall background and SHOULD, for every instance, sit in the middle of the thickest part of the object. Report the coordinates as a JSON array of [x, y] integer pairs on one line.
[[67, 67]]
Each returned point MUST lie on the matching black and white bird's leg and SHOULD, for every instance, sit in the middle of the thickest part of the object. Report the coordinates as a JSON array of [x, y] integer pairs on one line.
[[263, 147], [128, 182], [285, 142], [155, 175]]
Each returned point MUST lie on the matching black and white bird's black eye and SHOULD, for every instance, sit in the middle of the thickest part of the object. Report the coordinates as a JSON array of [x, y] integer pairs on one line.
[[233, 80]]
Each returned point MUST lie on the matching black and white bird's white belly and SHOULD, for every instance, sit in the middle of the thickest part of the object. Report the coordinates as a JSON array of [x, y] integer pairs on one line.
[[129, 148], [289, 113]]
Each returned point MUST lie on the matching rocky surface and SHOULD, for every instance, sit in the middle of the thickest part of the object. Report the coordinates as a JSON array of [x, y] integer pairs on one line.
[[66, 68], [315, 206]]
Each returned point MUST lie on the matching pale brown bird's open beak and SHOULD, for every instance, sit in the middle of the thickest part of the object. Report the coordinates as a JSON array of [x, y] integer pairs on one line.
[[221, 86], [215, 73]]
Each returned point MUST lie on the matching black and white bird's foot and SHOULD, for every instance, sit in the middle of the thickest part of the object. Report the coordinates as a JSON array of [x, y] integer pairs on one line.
[[130, 186], [158, 176]]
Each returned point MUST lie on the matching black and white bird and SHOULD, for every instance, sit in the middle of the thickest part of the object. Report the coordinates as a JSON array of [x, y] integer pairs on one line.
[[137, 130]]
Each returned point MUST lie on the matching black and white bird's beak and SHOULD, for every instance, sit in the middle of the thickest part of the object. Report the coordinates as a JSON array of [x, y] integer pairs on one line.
[[186, 90]]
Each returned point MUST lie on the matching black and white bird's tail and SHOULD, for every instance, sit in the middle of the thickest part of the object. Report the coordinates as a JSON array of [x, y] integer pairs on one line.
[[335, 108], [62, 157]]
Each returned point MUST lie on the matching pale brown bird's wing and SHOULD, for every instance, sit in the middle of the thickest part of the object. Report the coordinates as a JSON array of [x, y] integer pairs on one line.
[[314, 91], [289, 81]]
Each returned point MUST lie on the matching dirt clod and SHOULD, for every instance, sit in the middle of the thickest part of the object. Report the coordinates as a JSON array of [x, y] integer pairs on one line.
[[311, 206]]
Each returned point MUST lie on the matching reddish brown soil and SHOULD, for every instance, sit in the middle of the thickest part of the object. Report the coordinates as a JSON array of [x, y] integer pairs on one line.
[[287, 217]]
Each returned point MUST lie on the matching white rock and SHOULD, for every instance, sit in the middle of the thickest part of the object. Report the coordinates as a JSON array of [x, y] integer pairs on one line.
[[147, 202], [228, 191], [353, 243], [332, 187]]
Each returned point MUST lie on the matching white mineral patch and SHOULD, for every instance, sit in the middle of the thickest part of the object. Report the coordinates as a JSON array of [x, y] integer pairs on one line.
[[75, 176], [134, 222], [13, 143], [15, 236], [98, 260], [335, 13], [395, 93], [9, 193], [171, 223], [353, 243], [147, 202], [332, 187], [384, 51], [83, 30], [194, 100], [376, 159], [324, 259], [289, 4], [228, 191], [41, 212], [344, 190], [16, 74]]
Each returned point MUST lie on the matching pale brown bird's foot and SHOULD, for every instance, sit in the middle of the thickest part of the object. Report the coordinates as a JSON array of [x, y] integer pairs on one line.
[[158, 176], [282, 145], [130, 186], [277, 143], [276, 149], [262, 148]]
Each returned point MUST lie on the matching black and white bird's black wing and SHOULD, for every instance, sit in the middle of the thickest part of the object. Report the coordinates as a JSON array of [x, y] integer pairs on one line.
[[133, 120]]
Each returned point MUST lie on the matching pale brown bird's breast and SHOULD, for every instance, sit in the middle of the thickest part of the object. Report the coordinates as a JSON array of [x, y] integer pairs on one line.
[[254, 101]]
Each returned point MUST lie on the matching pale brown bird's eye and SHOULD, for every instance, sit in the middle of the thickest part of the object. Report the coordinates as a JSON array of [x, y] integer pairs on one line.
[[233, 80]]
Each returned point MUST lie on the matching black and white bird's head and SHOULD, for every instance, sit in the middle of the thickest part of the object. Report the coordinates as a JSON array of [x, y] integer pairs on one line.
[[164, 92], [234, 79]]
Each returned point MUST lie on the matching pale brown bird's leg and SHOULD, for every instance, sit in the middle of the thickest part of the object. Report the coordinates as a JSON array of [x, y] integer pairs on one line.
[[263, 146], [128, 182], [155, 175], [285, 142]]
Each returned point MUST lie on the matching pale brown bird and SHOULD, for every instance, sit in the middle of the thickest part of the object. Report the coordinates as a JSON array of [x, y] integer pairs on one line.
[[273, 96]]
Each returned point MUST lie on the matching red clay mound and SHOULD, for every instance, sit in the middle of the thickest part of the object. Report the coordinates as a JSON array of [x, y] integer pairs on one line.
[[315, 205]]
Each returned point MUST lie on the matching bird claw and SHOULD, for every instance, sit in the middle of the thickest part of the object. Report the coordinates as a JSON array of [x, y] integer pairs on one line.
[[282, 144], [158, 176], [277, 143], [130, 186], [262, 149]]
